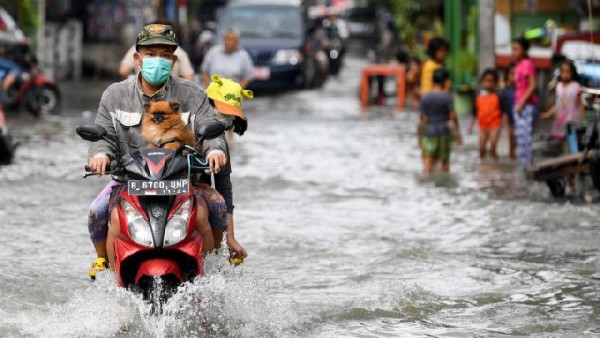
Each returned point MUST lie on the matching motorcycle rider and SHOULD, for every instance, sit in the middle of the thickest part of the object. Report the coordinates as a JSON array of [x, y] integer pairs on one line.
[[8, 74], [336, 32], [120, 113], [228, 59], [182, 68]]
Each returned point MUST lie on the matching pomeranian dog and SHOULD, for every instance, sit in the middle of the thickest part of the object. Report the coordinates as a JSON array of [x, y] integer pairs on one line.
[[162, 126]]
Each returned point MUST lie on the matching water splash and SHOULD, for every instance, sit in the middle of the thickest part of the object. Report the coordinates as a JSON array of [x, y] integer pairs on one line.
[[226, 302], [99, 310]]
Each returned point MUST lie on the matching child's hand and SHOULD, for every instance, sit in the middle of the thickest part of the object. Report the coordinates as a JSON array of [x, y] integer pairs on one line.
[[470, 129], [459, 142], [519, 108], [547, 114]]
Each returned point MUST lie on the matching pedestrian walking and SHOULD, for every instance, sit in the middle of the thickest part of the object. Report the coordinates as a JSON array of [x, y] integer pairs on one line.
[[386, 49], [526, 100], [228, 60]]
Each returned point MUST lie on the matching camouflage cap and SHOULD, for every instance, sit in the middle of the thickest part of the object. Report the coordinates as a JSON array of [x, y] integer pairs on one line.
[[156, 34]]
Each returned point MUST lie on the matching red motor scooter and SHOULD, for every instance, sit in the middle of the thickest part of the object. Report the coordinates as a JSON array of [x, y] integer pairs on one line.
[[158, 247], [33, 90]]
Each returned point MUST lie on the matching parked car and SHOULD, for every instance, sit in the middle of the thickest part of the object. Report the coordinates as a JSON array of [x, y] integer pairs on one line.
[[275, 35], [361, 23], [9, 32]]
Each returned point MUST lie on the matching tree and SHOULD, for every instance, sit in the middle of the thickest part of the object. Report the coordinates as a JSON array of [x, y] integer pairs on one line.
[[27, 16], [408, 14]]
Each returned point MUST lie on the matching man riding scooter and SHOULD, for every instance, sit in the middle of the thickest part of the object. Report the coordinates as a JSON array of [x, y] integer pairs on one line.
[[120, 113], [8, 74]]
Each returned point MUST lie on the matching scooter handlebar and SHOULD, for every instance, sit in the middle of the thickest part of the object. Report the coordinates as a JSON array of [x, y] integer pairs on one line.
[[112, 169]]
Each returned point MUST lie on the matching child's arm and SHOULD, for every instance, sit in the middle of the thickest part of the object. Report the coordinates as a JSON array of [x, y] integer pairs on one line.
[[471, 124], [454, 121], [506, 107], [581, 108], [474, 117], [548, 114], [531, 87]]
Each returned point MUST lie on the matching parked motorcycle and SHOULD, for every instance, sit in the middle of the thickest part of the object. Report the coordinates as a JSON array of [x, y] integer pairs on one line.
[[33, 90], [158, 248]]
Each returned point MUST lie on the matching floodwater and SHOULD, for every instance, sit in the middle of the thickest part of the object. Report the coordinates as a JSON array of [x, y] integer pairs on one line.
[[346, 238]]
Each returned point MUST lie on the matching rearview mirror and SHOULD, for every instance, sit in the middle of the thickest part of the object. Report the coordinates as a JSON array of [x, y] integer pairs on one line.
[[92, 133], [212, 130]]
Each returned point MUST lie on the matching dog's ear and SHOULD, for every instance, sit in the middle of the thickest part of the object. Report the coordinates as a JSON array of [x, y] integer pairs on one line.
[[147, 106], [174, 105]]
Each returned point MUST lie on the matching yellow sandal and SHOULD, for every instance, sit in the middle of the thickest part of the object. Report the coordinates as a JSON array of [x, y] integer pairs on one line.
[[98, 265]]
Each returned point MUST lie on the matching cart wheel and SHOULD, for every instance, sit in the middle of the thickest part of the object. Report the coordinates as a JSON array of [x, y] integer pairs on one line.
[[580, 185], [595, 170], [557, 187]]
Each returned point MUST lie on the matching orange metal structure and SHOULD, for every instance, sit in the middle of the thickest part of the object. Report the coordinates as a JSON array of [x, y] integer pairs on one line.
[[384, 70]]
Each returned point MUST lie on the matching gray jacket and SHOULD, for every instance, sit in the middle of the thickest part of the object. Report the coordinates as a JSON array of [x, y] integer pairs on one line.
[[122, 106]]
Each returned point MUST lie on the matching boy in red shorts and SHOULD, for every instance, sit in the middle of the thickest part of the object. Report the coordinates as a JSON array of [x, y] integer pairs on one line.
[[487, 111]]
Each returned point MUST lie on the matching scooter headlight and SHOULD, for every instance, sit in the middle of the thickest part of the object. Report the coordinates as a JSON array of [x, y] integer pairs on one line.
[[287, 57], [176, 229], [139, 228]]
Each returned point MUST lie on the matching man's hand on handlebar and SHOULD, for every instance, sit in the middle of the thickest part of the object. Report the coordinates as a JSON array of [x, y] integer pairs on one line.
[[216, 160], [99, 164]]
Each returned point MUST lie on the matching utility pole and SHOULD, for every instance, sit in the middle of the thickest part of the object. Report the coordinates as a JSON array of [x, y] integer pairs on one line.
[[487, 36]]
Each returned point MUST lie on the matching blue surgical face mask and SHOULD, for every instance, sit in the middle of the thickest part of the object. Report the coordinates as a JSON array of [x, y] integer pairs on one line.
[[156, 70]]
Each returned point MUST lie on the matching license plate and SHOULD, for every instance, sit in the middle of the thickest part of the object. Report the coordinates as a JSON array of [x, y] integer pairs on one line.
[[262, 73], [158, 188]]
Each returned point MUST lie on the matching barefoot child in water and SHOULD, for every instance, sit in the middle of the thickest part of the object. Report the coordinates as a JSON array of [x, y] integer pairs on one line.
[[488, 112], [507, 102], [526, 100], [437, 115]]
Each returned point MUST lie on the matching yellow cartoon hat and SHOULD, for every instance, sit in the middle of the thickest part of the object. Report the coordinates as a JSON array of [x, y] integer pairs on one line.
[[227, 95]]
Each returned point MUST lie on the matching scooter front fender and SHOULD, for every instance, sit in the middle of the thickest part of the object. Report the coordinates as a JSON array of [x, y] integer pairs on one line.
[[158, 267], [124, 248]]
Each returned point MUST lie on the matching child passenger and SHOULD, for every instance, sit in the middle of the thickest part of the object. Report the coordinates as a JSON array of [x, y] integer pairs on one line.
[[487, 111], [437, 116]]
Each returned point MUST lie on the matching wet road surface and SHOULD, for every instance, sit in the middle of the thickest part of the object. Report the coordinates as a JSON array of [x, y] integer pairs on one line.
[[346, 237]]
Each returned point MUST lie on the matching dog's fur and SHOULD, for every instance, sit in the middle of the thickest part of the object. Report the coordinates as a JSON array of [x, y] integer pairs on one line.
[[162, 123]]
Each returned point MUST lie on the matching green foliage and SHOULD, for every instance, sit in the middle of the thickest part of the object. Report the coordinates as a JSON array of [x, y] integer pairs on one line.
[[464, 67], [26, 16], [404, 13]]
